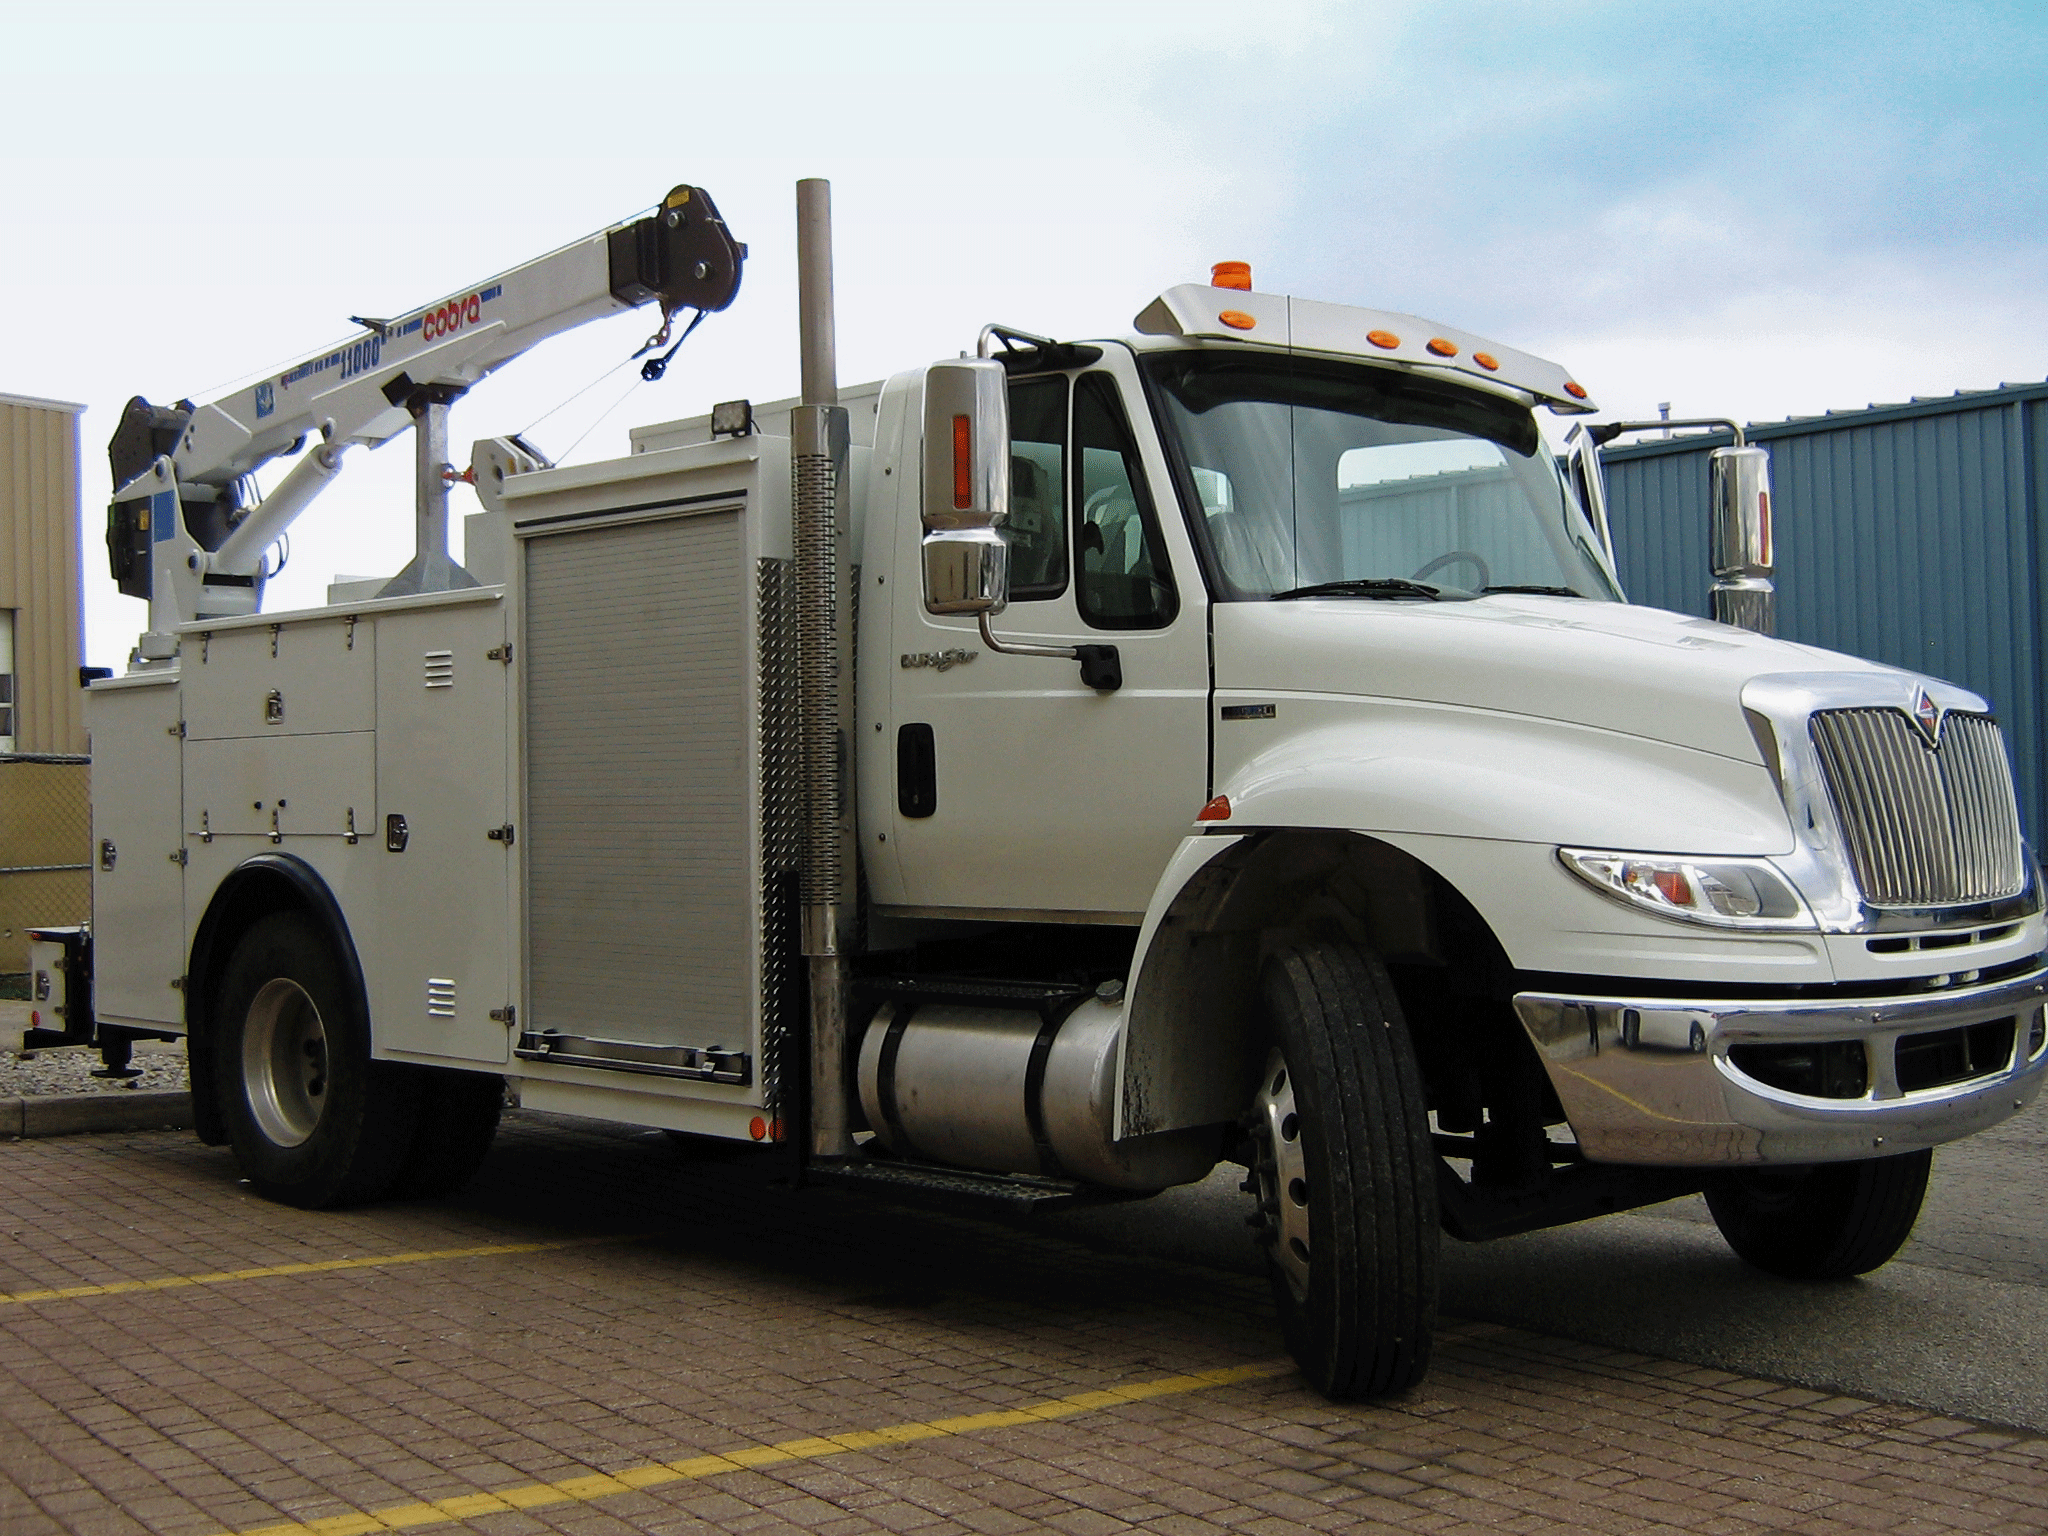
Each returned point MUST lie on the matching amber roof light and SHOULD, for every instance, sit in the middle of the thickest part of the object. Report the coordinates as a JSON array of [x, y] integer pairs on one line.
[[1231, 274]]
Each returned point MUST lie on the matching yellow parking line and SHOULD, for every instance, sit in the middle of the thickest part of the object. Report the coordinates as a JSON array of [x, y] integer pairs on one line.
[[598, 1485], [315, 1267]]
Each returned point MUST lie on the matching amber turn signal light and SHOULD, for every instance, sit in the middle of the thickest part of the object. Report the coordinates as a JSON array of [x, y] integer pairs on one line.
[[963, 462]]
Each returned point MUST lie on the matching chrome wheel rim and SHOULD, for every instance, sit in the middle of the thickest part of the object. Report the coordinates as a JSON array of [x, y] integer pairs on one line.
[[284, 1062], [1280, 1178]]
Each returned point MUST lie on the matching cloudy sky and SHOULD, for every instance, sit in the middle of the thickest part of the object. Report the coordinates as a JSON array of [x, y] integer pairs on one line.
[[1750, 209]]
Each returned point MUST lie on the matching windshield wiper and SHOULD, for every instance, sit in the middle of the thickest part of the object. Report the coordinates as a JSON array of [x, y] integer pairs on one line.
[[1372, 586], [1537, 591]]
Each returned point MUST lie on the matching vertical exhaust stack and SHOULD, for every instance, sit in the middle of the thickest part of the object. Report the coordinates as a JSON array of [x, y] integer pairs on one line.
[[818, 458]]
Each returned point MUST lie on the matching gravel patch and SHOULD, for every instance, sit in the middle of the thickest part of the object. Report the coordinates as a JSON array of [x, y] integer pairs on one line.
[[36, 1074], [70, 1071]]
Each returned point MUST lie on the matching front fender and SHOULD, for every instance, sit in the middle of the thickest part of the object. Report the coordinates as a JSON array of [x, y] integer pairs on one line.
[[1414, 794]]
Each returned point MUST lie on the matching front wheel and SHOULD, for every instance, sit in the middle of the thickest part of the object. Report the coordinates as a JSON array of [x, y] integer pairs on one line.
[[1829, 1221], [312, 1120], [1345, 1174]]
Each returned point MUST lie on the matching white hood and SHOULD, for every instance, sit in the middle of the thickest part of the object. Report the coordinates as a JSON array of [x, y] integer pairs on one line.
[[1644, 672]]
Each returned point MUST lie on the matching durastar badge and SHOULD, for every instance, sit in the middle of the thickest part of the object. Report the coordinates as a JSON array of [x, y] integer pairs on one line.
[[938, 661]]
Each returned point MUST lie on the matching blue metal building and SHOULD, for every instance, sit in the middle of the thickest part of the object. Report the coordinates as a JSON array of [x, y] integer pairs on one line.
[[1911, 534]]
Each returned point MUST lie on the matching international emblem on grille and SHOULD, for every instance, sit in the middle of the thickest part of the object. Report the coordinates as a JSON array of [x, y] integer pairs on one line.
[[1927, 715]]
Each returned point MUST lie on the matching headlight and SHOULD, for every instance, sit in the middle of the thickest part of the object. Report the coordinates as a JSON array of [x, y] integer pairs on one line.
[[1724, 893]]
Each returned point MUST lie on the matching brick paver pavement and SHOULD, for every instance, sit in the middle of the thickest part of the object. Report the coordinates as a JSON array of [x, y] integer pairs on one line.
[[723, 1317]]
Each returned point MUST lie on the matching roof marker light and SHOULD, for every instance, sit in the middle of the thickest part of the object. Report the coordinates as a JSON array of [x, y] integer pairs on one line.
[[1576, 391], [1385, 339], [1216, 810], [1231, 274], [1487, 361], [1443, 348], [1237, 319]]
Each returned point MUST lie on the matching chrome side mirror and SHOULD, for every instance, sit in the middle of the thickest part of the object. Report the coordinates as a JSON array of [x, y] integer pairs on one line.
[[966, 487], [1742, 556]]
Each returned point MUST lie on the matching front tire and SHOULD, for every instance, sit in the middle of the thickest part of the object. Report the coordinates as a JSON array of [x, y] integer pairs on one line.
[[313, 1121], [1345, 1174], [1830, 1221]]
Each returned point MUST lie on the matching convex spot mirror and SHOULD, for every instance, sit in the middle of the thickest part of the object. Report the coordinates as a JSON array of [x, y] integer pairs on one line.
[[966, 487]]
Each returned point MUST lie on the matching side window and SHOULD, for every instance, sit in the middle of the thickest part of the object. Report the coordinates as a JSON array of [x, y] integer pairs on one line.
[[1122, 579], [1036, 528]]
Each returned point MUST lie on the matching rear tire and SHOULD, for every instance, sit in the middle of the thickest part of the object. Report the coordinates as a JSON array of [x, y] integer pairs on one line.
[[1829, 1221], [458, 1119], [312, 1119], [1346, 1174]]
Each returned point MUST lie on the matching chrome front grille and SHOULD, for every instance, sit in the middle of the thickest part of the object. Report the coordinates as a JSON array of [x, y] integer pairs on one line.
[[1927, 826]]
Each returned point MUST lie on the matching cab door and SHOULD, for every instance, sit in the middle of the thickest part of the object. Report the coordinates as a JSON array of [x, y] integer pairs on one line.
[[1020, 790]]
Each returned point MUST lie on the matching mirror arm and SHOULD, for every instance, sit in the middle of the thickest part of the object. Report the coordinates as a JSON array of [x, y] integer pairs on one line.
[[1101, 665], [1606, 432], [1023, 647], [1006, 334]]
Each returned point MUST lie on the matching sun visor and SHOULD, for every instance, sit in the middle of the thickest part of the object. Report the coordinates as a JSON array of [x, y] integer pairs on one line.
[[1232, 314], [1228, 314]]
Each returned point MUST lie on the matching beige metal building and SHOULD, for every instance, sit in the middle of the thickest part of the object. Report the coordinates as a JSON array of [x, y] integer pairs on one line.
[[42, 630], [45, 819]]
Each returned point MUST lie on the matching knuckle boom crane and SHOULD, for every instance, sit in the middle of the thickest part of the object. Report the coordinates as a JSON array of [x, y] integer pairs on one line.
[[187, 532]]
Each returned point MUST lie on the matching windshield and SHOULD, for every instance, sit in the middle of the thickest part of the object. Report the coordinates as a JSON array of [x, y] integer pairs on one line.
[[1308, 472]]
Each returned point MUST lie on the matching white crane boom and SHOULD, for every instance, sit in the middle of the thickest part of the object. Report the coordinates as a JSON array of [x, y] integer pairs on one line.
[[182, 532]]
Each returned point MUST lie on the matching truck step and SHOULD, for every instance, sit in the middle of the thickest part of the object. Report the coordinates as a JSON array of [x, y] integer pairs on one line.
[[957, 1188]]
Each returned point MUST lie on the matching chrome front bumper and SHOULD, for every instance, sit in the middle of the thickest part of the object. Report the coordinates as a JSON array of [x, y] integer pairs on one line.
[[1657, 1080]]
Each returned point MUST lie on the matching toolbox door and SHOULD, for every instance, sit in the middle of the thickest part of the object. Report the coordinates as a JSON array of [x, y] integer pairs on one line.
[[440, 965], [641, 853], [138, 877]]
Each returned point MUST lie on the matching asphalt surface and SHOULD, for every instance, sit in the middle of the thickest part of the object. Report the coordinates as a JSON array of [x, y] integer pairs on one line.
[[1957, 1323]]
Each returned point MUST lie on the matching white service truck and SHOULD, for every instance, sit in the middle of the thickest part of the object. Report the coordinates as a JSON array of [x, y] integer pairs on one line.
[[1043, 776]]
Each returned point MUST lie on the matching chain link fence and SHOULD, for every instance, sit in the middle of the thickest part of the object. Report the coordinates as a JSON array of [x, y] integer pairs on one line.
[[45, 849]]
